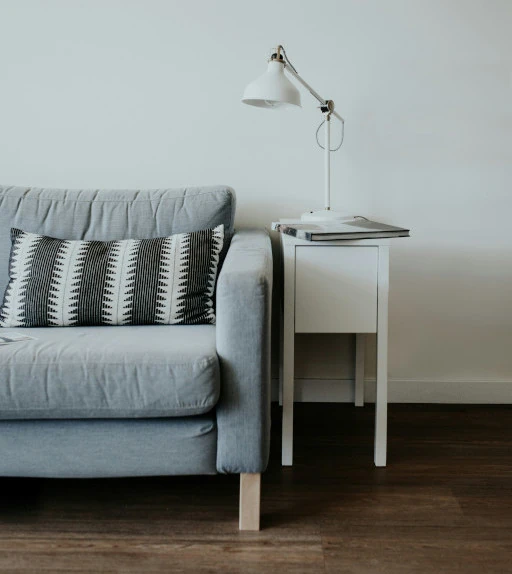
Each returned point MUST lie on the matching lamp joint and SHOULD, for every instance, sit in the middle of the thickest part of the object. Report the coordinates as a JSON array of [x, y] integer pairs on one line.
[[277, 55], [274, 58], [327, 108]]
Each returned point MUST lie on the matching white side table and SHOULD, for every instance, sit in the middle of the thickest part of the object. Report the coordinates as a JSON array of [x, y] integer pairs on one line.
[[335, 287]]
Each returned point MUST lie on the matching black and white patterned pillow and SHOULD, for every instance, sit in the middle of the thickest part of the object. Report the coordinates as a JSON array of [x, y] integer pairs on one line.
[[54, 282]]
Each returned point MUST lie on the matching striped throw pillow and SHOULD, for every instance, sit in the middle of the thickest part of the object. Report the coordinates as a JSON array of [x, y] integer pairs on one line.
[[63, 283]]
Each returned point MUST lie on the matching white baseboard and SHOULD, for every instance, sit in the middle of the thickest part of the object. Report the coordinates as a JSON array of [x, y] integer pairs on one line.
[[403, 391]]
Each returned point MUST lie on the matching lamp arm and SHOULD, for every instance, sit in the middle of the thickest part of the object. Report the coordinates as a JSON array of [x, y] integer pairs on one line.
[[327, 107], [314, 93]]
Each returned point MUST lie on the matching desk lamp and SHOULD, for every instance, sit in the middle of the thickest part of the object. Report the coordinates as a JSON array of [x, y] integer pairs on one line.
[[274, 90]]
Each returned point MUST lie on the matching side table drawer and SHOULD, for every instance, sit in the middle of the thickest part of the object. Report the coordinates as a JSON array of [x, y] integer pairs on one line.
[[336, 289]]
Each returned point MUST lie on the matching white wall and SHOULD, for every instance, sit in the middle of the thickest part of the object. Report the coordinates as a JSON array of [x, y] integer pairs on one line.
[[146, 93]]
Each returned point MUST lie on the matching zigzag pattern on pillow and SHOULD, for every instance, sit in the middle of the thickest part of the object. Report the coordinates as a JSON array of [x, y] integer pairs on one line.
[[63, 283]]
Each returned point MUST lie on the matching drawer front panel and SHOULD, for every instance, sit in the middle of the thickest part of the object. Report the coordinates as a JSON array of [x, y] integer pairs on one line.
[[336, 289]]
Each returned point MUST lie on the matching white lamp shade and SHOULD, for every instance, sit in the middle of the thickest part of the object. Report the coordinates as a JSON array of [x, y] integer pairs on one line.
[[272, 90]]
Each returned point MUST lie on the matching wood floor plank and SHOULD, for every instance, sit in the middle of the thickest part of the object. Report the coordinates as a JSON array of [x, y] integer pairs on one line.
[[399, 550], [395, 506], [116, 555]]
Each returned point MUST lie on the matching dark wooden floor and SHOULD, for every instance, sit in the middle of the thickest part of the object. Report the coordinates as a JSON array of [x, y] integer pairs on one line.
[[444, 504]]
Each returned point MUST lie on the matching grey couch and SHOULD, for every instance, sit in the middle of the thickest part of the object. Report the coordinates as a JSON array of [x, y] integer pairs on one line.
[[142, 400]]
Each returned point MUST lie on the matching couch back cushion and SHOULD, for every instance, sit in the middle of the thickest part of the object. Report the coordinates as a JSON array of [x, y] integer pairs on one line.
[[105, 215]]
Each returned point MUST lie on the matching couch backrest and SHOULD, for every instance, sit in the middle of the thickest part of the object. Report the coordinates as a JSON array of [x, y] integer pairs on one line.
[[105, 215]]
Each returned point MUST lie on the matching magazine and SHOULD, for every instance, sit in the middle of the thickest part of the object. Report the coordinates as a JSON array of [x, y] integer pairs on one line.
[[359, 228]]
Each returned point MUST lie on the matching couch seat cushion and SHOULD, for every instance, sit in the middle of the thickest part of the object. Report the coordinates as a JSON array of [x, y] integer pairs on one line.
[[110, 372]]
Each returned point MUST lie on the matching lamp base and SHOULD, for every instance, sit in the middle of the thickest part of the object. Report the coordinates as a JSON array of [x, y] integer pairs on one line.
[[325, 215]]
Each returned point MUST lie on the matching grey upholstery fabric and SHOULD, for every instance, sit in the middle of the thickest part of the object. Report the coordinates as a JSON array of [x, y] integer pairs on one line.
[[105, 215], [110, 372], [244, 293], [107, 448]]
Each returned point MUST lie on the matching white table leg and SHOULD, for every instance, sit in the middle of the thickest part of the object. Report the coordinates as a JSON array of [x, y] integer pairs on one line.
[[288, 342], [381, 401], [359, 371], [281, 353]]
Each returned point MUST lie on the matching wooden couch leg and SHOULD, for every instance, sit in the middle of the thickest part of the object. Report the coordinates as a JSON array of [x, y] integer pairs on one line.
[[250, 492]]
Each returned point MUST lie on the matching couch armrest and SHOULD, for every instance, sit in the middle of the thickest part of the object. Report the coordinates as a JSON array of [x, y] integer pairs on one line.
[[244, 295]]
